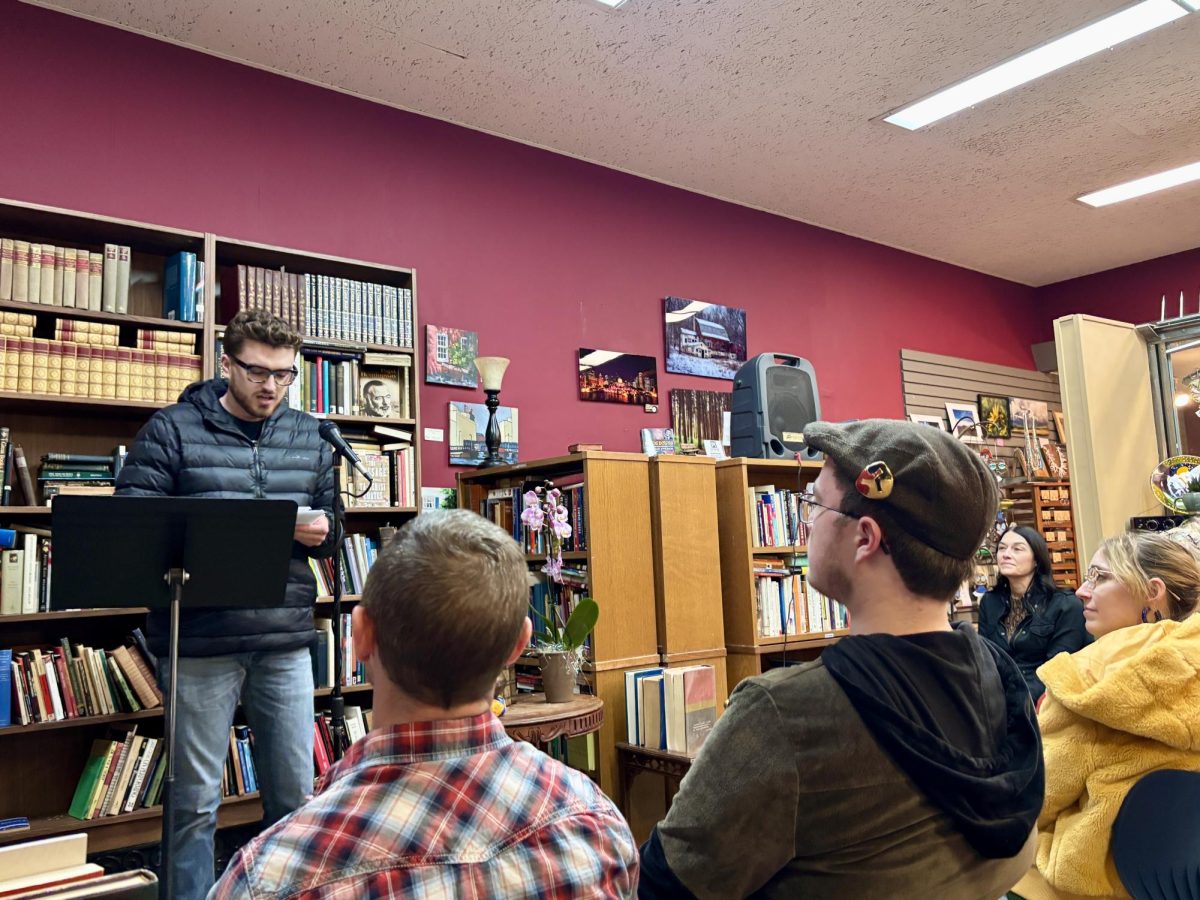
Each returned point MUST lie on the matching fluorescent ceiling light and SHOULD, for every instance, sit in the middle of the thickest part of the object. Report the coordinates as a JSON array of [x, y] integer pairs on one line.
[[1139, 187], [615, 3], [1100, 35]]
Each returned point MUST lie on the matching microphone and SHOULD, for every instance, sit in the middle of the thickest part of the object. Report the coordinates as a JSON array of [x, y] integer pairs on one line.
[[330, 432]]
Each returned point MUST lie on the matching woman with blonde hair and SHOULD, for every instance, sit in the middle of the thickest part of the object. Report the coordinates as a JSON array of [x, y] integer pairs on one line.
[[1124, 706]]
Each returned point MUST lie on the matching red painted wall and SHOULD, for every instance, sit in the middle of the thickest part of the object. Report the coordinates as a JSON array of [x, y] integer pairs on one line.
[[539, 253], [1131, 293]]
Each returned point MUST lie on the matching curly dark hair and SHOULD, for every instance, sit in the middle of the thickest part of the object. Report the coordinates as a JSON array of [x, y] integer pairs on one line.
[[261, 326]]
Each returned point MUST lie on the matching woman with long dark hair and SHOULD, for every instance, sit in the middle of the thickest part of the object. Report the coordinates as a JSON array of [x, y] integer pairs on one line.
[[1026, 615]]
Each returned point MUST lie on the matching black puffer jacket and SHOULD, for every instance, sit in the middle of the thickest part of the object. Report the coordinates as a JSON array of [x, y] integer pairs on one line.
[[1054, 625], [195, 449]]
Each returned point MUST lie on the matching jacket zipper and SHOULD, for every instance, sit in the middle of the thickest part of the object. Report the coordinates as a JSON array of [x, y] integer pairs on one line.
[[255, 471]]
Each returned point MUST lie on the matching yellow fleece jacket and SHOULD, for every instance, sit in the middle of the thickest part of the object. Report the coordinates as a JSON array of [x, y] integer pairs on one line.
[[1126, 705]]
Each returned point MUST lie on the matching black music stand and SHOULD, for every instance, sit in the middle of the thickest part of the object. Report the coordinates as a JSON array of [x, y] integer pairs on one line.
[[142, 551]]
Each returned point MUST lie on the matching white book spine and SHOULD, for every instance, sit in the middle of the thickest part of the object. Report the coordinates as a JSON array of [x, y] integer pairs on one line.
[[108, 285], [123, 269]]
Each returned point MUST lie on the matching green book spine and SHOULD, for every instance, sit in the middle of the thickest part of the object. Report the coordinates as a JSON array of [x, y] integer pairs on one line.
[[92, 770], [118, 678]]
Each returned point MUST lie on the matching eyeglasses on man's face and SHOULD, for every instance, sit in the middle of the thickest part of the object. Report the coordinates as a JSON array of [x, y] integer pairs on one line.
[[809, 508], [259, 375]]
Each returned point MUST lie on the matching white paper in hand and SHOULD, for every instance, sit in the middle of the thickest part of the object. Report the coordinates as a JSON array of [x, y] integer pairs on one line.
[[306, 515]]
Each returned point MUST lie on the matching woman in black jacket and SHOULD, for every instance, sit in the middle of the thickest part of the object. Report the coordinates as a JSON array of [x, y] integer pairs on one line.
[[1026, 615]]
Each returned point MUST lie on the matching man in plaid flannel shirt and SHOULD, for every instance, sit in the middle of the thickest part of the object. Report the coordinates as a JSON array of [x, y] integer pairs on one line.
[[437, 801]]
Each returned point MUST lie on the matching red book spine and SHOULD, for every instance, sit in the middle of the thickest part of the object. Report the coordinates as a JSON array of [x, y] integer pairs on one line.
[[64, 682]]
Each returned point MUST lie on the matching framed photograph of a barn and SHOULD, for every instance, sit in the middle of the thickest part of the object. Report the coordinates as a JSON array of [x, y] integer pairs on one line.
[[704, 338]]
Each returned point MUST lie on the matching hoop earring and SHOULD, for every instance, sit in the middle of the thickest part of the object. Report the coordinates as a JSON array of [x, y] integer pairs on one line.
[[1146, 612]]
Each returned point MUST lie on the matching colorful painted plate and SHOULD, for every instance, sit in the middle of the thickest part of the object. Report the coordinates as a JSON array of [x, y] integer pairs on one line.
[[1169, 481]]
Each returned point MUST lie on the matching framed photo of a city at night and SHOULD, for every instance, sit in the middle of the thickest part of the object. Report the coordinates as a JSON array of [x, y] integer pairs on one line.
[[608, 376]]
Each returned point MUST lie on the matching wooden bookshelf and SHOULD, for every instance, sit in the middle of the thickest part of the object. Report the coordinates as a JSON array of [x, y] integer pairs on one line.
[[42, 762], [735, 512], [620, 563], [82, 721], [142, 826], [75, 614], [687, 586]]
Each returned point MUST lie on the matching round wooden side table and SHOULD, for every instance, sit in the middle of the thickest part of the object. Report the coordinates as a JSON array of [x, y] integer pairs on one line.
[[533, 720]]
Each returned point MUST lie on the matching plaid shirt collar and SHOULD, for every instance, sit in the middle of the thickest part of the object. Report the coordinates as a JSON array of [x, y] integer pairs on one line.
[[420, 742]]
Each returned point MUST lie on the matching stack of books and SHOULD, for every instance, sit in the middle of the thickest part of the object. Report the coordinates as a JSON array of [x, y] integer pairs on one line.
[[80, 474]]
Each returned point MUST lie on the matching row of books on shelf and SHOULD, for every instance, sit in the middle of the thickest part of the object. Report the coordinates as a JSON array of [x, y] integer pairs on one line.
[[393, 474], [670, 708], [96, 334], [58, 473], [503, 505], [358, 723], [353, 669], [53, 684], [61, 368], [786, 603], [776, 520], [25, 572], [358, 553], [69, 277], [124, 771], [324, 306], [353, 384]]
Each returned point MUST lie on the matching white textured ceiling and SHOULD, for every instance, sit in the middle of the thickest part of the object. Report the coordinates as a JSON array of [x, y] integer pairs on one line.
[[775, 105]]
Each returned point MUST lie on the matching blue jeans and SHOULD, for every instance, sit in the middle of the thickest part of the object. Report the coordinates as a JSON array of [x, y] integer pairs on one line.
[[276, 692]]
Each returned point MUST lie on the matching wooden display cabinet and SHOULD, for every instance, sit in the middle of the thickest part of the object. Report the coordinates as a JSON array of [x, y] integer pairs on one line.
[[620, 568]]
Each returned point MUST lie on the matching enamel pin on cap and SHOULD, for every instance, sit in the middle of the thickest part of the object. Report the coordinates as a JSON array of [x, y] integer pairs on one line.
[[875, 481]]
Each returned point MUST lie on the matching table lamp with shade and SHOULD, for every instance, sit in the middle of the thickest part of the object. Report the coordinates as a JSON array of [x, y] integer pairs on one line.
[[491, 373]]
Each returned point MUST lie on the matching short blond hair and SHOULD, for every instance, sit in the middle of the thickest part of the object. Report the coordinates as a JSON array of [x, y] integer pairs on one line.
[[1136, 557], [448, 596]]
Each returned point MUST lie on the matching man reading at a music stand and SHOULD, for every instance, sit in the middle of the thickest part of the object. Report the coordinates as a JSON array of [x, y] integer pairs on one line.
[[234, 437]]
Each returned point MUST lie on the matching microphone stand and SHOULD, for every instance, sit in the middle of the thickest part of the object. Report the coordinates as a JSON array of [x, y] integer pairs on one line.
[[337, 703]]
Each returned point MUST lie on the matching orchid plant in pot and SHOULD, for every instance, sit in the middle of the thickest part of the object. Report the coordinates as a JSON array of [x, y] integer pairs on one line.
[[560, 642]]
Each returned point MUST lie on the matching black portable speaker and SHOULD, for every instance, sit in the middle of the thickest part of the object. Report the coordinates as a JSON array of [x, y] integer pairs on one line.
[[774, 399]]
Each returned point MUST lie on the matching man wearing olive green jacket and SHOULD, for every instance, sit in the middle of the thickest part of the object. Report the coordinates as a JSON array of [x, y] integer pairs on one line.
[[905, 762]]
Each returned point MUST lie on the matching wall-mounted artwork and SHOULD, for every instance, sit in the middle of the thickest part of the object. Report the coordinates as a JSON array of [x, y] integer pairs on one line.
[[704, 338], [993, 416], [964, 422], [1038, 410], [933, 421], [450, 356], [698, 416], [611, 377], [468, 423]]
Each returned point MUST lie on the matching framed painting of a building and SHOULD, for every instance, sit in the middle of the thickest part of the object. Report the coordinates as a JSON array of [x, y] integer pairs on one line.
[[704, 338], [468, 425], [450, 356]]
